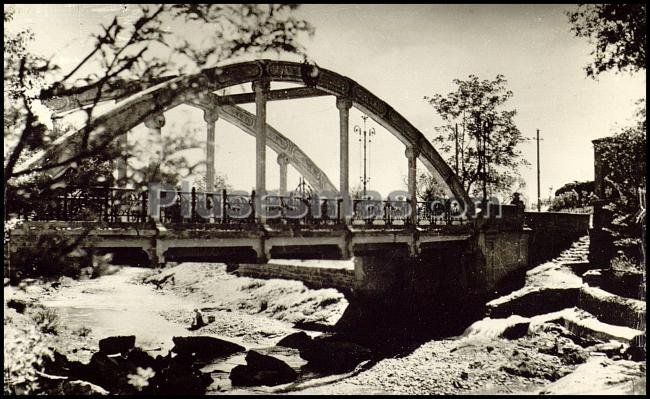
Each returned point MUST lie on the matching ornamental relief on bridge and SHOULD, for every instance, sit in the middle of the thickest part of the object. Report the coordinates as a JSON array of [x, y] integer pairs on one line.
[[234, 74], [241, 115], [333, 82], [367, 99], [282, 71], [402, 125]]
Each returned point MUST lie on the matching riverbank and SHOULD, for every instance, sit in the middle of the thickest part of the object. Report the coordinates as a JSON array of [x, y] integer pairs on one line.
[[494, 356]]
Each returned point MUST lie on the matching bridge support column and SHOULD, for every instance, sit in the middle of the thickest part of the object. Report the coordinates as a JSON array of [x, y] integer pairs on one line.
[[261, 89], [155, 124], [210, 118], [283, 161], [122, 159], [344, 105], [412, 157]]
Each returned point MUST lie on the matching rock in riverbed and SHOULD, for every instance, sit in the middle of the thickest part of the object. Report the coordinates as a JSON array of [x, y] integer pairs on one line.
[[204, 348], [262, 370], [334, 356], [117, 344], [298, 340]]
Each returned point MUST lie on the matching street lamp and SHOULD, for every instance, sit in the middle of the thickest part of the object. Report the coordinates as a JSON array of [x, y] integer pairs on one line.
[[364, 135]]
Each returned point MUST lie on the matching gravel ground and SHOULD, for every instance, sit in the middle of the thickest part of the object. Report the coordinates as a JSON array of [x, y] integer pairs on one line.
[[257, 313]]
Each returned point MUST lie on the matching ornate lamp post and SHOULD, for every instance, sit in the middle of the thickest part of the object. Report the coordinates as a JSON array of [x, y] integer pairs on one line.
[[366, 136]]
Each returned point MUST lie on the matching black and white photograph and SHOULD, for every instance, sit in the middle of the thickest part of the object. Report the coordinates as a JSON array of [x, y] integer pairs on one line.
[[324, 199]]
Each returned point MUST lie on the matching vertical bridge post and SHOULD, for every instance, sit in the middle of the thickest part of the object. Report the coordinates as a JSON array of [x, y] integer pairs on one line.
[[155, 124], [210, 117], [122, 160], [412, 157], [261, 89], [283, 161], [344, 105]]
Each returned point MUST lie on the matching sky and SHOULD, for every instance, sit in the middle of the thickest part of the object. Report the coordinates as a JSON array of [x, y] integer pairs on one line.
[[402, 53]]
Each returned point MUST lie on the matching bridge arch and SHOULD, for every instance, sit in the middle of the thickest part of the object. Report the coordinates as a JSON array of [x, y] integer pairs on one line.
[[184, 89]]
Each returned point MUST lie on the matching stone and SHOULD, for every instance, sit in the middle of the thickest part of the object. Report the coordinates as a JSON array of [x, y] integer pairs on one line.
[[635, 353], [117, 344], [516, 330], [179, 378], [335, 356], [298, 340], [17, 304], [78, 387], [262, 370], [593, 277], [204, 348]]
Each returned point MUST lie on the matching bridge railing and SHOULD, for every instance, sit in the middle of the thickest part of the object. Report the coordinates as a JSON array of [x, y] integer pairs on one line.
[[223, 209], [99, 204]]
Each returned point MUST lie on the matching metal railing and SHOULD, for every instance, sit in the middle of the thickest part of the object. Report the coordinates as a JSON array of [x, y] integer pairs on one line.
[[223, 209]]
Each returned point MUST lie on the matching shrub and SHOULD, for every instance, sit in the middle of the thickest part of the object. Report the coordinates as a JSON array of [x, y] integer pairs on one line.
[[47, 320], [52, 254], [24, 352], [82, 331], [623, 262]]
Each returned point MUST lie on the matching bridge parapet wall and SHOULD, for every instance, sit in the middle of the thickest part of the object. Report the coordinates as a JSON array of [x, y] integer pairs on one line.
[[553, 232]]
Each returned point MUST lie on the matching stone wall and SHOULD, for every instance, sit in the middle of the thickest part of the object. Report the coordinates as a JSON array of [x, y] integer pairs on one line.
[[313, 277], [553, 232], [503, 259]]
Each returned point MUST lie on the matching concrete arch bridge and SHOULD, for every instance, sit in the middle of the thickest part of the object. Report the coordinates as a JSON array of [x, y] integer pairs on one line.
[[463, 253]]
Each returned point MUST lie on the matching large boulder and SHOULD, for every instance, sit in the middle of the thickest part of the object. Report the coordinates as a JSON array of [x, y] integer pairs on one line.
[[179, 377], [334, 356], [516, 331], [203, 348], [298, 340], [262, 370], [18, 304], [117, 344]]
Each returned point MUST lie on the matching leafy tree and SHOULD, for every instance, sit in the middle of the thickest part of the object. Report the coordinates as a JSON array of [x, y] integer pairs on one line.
[[139, 47], [617, 32], [220, 183], [136, 47], [427, 187], [485, 134]]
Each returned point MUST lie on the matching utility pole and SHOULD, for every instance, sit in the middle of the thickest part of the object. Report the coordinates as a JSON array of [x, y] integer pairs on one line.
[[366, 136], [456, 141], [539, 206]]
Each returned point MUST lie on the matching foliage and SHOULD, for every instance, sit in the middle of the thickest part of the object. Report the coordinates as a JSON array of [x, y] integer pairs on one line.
[[486, 137], [138, 46], [141, 378], [50, 254], [623, 160], [47, 320], [25, 349], [574, 195], [566, 200], [578, 187], [220, 183], [82, 331], [153, 41], [623, 262], [616, 31], [428, 188]]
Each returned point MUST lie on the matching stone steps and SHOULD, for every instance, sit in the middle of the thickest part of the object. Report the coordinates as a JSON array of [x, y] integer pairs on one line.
[[584, 310]]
